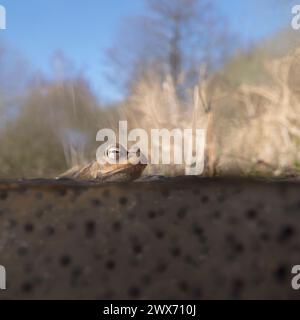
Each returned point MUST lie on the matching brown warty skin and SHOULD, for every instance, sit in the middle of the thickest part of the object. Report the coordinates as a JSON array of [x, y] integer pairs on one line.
[[121, 171]]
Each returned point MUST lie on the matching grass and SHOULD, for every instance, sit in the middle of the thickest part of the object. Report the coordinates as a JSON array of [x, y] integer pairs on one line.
[[249, 109]]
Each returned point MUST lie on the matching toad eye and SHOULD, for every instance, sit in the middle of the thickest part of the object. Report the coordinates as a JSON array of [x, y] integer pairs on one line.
[[113, 153]]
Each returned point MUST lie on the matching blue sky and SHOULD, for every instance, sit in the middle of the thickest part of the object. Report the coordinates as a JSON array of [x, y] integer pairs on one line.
[[84, 29]]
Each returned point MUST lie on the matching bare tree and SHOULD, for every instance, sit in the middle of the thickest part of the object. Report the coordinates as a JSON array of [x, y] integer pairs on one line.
[[174, 38]]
